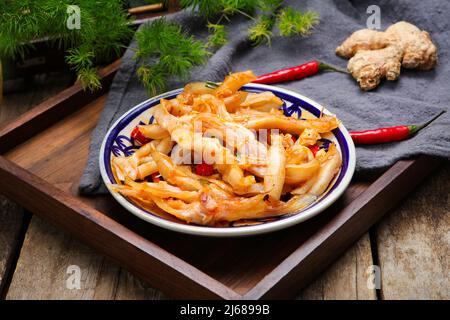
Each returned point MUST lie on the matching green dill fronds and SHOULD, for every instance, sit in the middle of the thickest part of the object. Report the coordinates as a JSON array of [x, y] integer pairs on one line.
[[206, 8], [80, 58], [218, 37], [292, 22], [153, 78], [269, 6], [186, 55], [192, 50], [9, 47], [157, 37], [261, 32], [211, 8], [174, 51], [105, 30], [231, 7], [89, 79]]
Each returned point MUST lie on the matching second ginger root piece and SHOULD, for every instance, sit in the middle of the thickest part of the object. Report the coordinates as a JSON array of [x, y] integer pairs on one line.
[[376, 55]]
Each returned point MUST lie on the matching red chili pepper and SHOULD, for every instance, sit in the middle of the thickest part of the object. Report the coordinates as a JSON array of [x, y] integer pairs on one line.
[[314, 149], [137, 135], [295, 73], [389, 134], [156, 177], [204, 169]]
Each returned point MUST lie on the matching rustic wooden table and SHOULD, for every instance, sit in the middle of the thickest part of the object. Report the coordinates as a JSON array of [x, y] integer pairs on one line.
[[411, 246]]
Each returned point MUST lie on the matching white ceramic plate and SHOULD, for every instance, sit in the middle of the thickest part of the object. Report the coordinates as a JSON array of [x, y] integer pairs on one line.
[[117, 142]]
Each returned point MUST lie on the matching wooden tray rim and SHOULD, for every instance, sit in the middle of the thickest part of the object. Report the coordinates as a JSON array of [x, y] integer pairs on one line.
[[177, 277]]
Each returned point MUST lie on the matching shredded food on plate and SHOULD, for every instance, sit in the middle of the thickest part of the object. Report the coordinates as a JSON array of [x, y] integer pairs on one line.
[[216, 155]]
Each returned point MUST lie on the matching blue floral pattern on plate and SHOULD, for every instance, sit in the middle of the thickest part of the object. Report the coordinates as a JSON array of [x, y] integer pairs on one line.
[[292, 109], [125, 146], [324, 144]]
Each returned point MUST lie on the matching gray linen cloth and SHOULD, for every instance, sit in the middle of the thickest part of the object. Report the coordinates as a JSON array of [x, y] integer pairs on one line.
[[414, 98]]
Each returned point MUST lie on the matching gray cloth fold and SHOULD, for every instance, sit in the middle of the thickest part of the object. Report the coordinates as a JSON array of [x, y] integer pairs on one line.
[[414, 98]]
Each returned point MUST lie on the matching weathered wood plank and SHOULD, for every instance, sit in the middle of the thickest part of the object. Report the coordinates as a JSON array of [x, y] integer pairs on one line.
[[11, 219], [12, 215], [39, 266], [46, 267], [75, 130], [45, 86], [335, 236], [346, 278], [132, 288], [109, 283], [47, 254], [107, 278], [414, 243]]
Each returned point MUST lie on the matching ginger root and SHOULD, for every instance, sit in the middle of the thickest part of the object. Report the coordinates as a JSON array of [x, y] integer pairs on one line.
[[376, 55]]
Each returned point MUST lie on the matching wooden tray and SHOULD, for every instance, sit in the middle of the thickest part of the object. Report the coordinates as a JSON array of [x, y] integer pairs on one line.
[[43, 154]]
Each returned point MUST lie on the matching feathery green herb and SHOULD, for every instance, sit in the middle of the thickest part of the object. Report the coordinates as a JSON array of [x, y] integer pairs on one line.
[[210, 8], [292, 22], [218, 36], [261, 31], [269, 6], [104, 30], [172, 53], [206, 8], [164, 50]]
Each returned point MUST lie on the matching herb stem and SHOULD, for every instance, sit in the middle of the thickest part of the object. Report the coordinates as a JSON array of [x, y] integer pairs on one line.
[[211, 84], [220, 18], [245, 14]]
